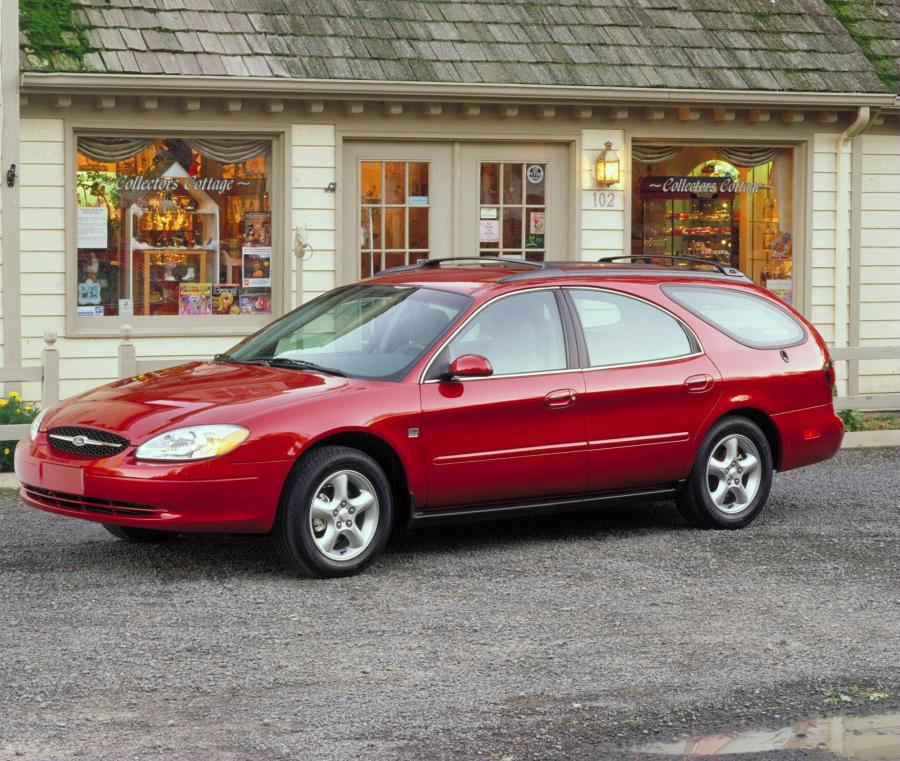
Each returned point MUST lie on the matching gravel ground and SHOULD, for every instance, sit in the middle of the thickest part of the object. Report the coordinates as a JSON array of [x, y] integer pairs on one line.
[[568, 637]]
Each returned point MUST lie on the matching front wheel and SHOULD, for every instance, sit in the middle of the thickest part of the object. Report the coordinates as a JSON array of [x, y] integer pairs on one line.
[[731, 478], [337, 513]]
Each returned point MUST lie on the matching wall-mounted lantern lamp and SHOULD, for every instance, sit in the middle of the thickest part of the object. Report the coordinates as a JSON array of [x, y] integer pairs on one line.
[[607, 169]]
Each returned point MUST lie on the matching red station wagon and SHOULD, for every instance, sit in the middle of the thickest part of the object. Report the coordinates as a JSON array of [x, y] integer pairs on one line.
[[453, 389]]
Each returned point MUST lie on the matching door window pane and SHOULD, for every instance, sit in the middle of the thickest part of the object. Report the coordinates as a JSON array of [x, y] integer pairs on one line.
[[394, 214], [512, 183], [521, 214], [517, 334], [512, 227], [619, 330], [490, 183], [394, 182], [370, 181]]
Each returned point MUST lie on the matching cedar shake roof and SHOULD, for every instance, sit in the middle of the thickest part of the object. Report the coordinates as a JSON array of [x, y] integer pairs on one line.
[[793, 45]]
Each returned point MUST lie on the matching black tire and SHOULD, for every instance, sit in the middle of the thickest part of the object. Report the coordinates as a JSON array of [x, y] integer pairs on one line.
[[293, 532], [694, 500], [142, 535]]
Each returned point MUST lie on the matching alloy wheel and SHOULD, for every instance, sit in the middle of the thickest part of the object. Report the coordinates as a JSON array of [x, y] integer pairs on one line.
[[343, 516], [733, 474]]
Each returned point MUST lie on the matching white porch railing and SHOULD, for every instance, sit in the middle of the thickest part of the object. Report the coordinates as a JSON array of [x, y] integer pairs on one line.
[[46, 373]]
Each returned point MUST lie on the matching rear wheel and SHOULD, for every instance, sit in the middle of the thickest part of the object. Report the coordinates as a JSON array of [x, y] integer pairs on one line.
[[731, 478], [144, 535], [337, 513]]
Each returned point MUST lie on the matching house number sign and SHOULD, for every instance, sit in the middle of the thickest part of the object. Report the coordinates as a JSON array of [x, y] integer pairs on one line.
[[607, 199]]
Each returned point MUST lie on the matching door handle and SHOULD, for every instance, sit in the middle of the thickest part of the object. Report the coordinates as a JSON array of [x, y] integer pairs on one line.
[[697, 384], [561, 397]]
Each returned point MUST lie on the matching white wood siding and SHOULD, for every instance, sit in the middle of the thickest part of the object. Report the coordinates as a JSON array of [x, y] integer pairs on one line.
[[880, 261], [313, 209], [602, 226]]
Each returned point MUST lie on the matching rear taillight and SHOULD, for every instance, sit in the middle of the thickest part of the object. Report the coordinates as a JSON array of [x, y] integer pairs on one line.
[[830, 378]]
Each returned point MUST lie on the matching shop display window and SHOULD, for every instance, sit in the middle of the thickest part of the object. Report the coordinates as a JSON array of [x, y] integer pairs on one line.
[[173, 226], [724, 205]]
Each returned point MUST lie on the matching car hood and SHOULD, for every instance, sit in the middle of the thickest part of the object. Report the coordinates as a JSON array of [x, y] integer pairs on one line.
[[193, 394]]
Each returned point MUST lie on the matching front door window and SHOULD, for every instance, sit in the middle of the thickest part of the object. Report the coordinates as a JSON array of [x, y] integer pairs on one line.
[[394, 208], [513, 209]]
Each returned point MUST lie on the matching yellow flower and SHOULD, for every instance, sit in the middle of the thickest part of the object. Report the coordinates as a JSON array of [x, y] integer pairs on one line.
[[2, 402], [6, 451], [28, 408], [14, 395]]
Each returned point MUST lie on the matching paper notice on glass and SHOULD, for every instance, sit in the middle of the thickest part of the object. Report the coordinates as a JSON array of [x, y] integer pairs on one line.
[[783, 288], [490, 230], [257, 263], [126, 308], [92, 227]]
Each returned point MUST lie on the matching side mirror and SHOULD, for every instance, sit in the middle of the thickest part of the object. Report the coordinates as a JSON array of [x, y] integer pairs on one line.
[[470, 366]]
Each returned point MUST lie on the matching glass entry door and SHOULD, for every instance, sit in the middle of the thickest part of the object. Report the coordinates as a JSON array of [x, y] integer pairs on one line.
[[399, 210], [515, 201]]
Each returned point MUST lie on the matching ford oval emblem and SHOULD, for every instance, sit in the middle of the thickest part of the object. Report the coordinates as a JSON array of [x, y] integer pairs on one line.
[[79, 441]]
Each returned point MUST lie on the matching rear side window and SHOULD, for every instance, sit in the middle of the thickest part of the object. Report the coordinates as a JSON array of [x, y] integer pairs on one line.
[[620, 330], [751, 320]]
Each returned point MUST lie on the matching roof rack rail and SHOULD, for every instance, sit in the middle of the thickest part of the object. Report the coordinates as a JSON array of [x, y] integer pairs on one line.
[[503, 261], [725, 269]]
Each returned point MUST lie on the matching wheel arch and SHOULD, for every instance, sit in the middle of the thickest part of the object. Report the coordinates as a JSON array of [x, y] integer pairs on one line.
[[766, 424], [380, 451]]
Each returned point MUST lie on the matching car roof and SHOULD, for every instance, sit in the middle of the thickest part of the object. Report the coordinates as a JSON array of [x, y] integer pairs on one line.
[[472, 274]]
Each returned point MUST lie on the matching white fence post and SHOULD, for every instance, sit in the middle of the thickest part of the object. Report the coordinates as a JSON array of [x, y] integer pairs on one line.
[[50, 361], [127, 355]]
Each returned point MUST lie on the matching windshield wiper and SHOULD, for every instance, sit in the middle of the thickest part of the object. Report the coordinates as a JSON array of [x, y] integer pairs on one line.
[[300, 363], [223, 358]]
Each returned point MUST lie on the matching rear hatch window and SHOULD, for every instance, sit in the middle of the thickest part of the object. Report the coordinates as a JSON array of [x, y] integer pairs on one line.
[[752, 320]]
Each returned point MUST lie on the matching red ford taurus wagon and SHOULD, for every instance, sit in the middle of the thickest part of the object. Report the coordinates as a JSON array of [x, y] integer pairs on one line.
[[453, 389]]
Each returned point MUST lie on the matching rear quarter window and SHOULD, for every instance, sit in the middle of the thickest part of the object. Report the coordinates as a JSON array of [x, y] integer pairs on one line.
[[752, 320]]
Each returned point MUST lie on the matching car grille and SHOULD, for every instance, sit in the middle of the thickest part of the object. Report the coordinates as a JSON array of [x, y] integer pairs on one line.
[[89, 504], [86, 442]]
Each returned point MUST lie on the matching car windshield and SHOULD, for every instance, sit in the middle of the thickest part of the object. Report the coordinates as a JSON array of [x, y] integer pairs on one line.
[[367, 331]]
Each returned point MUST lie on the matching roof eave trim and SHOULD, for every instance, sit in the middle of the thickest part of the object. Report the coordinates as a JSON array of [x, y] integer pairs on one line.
[[338, 89]]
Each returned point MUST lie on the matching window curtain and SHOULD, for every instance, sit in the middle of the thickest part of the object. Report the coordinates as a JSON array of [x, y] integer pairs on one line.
[[112, 149], [653, 154], [783, 180], [743, 156], [229, 151], [109, 150]]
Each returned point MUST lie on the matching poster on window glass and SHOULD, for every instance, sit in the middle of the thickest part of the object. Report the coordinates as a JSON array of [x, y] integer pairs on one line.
[[225, 299], [255, 301], [257, 265], [783, 288], [257, 226], [490, 230], [195, 298], [92, 227]]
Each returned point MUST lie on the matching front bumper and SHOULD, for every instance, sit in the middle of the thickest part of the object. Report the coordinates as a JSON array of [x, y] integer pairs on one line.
[[215, 495]]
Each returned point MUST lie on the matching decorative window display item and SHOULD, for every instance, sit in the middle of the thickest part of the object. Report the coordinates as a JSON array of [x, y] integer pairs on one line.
[[169, 225]]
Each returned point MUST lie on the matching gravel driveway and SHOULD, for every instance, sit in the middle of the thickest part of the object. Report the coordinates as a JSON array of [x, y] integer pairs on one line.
[[566, 637]]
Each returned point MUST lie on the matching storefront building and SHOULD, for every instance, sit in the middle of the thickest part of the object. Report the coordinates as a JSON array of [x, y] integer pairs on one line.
[[194, 174]]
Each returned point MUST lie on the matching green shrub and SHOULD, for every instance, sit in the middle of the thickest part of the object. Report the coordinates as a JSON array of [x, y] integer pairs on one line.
[[13, 411], [852, 420]]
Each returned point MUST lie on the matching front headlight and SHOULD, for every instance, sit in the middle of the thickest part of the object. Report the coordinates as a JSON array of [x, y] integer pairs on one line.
[[36, 423], [198, 442]]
